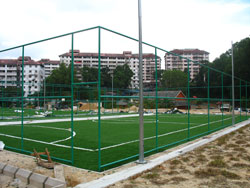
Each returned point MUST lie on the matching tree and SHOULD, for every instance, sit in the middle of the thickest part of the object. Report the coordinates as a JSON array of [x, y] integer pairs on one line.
[[122, 76], [106, 79], [224, 64], [174, 79], [90, 74], [61, 75]]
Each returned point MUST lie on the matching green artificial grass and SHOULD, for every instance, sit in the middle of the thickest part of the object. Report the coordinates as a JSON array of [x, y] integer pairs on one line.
[[118, 136]]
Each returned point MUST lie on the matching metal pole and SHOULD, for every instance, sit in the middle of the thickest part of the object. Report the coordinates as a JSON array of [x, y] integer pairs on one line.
[[44, 91], [240, 100], [22, 128], [156, 100], [208, 99], [141, 136], [188, 62], [233, 117], [222, 98], [72, 98], [112, 92], [99, 99]]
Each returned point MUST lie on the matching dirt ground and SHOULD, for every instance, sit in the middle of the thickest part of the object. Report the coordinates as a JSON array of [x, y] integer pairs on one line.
[[222, 163], [73, 176]]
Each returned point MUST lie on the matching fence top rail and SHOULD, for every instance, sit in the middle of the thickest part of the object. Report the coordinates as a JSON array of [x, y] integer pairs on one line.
[[100, 27], [47, 39]]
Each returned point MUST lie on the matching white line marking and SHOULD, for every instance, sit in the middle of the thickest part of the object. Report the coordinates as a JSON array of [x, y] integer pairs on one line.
[[68, 119], [104, 148], [42, 142], [148, 138], [74, 133]]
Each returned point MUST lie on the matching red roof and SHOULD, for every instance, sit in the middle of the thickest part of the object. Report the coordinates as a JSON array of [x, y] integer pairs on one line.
[[77, 53], [189, 51], [18, 61], [48, 61]]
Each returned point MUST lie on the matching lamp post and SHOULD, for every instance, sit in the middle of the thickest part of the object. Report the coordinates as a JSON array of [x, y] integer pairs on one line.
[[141, 125], [233, 117]]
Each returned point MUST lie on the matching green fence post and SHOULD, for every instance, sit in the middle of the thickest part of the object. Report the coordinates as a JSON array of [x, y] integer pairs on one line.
[[246, 99], [188, 98], [22, 143], [72, 98], [99, 98], [222, 98], [156, 101], [240, 100], [208, 99]]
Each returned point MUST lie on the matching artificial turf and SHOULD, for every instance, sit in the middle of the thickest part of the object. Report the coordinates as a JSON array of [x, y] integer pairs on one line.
[[118, 136]]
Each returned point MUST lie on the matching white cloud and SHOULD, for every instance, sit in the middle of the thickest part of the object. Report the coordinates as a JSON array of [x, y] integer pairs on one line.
[[203, 24]]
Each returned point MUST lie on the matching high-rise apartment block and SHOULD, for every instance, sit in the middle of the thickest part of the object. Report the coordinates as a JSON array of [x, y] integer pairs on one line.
[[11, 74], [49, 66], [173, 62], [112, 60]]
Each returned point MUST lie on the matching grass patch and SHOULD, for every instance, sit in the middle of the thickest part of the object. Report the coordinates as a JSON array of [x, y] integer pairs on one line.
[[178, 179], [205, 173], [216, 157], [246, 158], [231, 146], [201, 158], [240, 142], [172, 172], [218, 163], [185, 159], [159, 182], [234, 159], [230, 175], [241, 165], [128, 186], [185, 171], [240, 149], [222, 140], [151, 176], [175, 162], [242, 184]]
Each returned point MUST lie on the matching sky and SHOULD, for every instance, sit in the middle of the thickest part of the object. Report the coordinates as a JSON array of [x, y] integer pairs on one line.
[[208, 25]]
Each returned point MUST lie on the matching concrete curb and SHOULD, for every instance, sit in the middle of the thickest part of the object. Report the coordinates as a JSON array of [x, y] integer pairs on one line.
[[31, 178], [132, 171]]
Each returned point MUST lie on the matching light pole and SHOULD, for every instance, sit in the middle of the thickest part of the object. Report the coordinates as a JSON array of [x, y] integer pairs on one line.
[[233, 118], [141, 125]]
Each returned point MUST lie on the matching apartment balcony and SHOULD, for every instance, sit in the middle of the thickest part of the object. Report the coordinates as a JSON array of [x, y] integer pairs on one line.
[[11, 74], [11, 68]]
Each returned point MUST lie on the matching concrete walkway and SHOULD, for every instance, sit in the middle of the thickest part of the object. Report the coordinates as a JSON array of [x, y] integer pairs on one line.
[[68, 119]]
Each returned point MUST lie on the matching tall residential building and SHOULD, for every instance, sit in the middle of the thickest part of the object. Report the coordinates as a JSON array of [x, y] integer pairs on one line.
[[112, 60], [173, 62], [49, 66], [11, 74]]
